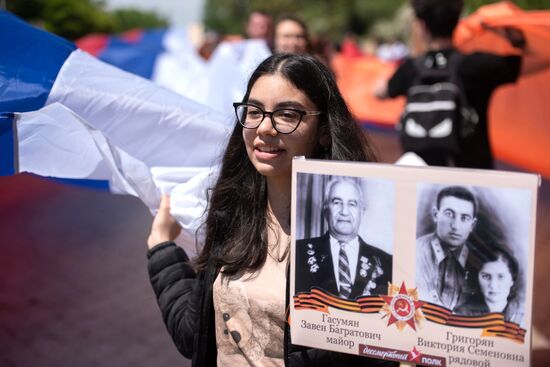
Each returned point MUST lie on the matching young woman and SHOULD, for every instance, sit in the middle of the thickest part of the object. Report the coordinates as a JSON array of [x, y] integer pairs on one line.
[[229, 308], [496, 288], [291, 35]]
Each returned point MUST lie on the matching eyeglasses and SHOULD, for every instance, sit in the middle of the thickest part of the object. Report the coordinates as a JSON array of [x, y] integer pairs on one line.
[[284, 120]]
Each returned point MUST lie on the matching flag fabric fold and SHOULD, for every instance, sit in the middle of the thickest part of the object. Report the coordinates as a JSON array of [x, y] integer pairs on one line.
[[38, 136], [80, 119], [168, 58], [87, 152]]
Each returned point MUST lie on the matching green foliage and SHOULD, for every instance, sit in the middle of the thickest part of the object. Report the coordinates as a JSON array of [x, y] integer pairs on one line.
[[30, 10], [328, 17], [333, 18], [75, 18], [72, 19], [125, 19], [472, 5]]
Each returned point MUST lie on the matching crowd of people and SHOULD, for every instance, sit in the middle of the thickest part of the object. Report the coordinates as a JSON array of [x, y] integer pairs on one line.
[[227, 306]]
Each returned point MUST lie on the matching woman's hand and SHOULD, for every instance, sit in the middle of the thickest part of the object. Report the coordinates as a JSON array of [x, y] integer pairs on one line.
[[164, 227]]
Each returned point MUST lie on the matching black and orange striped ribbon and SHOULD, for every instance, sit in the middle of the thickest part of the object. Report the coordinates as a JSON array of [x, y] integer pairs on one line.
[[493, 324]]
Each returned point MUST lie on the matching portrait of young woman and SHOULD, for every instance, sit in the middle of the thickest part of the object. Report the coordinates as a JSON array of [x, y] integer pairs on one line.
[[227, 306]]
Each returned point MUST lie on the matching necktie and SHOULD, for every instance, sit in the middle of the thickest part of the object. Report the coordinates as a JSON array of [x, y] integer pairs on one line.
[[343, 272], [449, 281]]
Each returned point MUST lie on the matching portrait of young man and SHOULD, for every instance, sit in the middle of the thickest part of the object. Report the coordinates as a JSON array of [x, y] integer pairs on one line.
[[444, 256]]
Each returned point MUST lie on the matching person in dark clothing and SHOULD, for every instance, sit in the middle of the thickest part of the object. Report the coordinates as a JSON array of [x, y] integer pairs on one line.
[[228, 306], [479, 73]]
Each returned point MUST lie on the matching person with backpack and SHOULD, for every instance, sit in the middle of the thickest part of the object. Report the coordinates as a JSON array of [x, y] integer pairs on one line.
[[448, 93]]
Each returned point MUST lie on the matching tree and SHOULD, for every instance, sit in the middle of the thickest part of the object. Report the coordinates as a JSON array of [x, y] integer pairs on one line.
[[73, 19], [332, 18], [125, 19]]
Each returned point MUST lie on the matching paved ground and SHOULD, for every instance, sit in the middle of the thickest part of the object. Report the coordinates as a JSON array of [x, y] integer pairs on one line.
[[73, 284]]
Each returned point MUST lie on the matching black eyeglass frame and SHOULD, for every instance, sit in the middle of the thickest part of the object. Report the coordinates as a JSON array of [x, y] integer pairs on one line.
[[302, 113]]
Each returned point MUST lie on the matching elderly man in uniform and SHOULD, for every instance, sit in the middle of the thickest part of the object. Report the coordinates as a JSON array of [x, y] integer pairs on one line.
[[340, 261]]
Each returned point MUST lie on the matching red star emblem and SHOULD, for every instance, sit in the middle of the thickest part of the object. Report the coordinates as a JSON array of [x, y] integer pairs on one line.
[[414, 356], [402, 307]]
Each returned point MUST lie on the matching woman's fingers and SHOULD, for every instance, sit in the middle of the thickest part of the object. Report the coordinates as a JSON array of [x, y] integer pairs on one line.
[[164, 227]]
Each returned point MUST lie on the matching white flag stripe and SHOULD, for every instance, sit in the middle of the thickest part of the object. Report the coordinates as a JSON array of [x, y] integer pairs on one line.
[[85, 148], [153, 124]]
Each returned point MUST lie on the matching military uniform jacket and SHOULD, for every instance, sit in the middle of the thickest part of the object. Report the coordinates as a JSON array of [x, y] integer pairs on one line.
[[314, 268]]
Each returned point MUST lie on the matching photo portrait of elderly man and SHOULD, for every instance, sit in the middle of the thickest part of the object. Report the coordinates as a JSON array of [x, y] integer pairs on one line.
[[340, 261], [444, 257]]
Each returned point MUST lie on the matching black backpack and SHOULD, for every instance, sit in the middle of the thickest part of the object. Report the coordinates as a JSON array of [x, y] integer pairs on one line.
[[437, 116]]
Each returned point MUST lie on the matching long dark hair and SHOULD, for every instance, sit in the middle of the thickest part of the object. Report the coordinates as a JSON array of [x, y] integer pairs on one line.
[[236, 223]]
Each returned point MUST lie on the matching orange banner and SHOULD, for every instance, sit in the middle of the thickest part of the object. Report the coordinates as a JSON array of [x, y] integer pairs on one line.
[[518, 113]]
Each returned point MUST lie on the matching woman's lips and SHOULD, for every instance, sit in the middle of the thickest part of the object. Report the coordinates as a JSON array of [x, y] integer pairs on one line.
[[267, 152]]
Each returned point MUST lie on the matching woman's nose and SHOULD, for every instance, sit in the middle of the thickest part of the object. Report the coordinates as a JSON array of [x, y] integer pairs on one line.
[[266, 126]]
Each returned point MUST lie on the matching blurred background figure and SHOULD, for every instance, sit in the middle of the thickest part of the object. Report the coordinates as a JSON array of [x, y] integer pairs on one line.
[[350, 46], [260, 25], [391, 50], [210, 41], [291, 35], [322, 48]]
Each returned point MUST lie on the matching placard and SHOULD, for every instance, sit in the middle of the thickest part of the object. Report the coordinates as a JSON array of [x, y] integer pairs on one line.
[[421, 265]]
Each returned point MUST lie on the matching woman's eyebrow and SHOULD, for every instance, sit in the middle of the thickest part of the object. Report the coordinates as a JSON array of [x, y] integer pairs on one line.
[[279, 105], [255, 102], [289, 104]]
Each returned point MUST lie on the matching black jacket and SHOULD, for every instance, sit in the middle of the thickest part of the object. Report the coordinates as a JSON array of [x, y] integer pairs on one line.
[[186, 303]]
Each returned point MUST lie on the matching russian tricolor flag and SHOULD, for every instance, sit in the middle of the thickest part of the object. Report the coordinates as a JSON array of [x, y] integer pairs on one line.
[[68, 115], [169, 59]]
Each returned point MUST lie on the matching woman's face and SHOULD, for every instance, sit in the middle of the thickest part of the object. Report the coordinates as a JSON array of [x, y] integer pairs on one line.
[[290, 37], [495, 281], [269, 151]]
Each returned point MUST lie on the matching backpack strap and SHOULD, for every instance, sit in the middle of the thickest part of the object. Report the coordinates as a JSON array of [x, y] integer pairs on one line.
[[439, 67], [469, 115], [454, 60]]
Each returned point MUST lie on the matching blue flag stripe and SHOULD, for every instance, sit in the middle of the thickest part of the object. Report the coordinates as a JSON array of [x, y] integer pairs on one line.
[[138, 59], [7, 151], [102, 185], [31, 60]]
